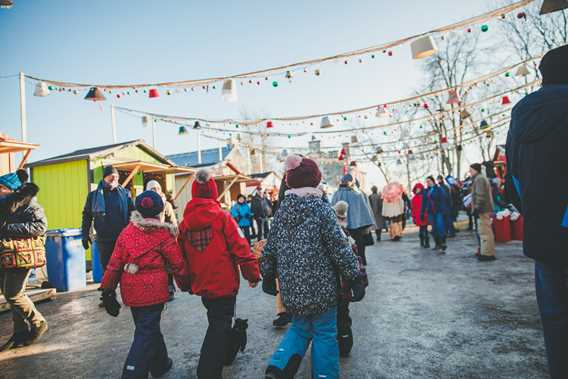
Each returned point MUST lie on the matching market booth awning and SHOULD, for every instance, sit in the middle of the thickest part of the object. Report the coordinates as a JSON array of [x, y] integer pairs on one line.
[[152, 168], [11, 146]]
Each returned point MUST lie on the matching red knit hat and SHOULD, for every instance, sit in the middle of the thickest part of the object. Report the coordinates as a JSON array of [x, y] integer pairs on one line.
[[204, 186], [302, 172]]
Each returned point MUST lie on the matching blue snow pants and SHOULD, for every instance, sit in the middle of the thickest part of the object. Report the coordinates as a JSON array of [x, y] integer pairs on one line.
[[321, 331]]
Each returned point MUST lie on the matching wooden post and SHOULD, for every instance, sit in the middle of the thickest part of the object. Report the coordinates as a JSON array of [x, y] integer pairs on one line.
[[131, 175], [113, 123], [228, 187], [25, 158], [178, 192], [23, 115]]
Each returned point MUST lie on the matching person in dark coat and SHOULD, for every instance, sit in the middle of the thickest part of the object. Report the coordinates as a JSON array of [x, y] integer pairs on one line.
[[449, 216], [537, 165], [360, 220], [261, 210], [376, 204], [108, 208], [436, 205], [21, 217]]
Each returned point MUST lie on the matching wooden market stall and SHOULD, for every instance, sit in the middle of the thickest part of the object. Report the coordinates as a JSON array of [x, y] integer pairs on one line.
[[9, 147], [65, 180]]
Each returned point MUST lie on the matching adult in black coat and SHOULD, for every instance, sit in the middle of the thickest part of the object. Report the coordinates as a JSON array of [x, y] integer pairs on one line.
[[537, 164], [108, 209], [22, 218]]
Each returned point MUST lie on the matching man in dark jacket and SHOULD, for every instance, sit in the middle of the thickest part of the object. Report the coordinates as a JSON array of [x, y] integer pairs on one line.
[[109, 206], [22, 217], [261, 210], [537, 163]]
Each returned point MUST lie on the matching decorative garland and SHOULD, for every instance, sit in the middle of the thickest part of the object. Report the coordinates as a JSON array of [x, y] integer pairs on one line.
[[420, 41]]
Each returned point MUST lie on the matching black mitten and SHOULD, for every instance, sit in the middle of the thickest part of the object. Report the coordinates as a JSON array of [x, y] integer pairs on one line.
[[269, 286], [112, 305], [357, 289]]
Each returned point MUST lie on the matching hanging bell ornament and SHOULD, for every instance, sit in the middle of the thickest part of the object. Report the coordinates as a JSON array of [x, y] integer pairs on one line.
[[326, 123], [229, 91], [423, 47], [95, 94], [153, 93], [523, 71], [41, 89], [453, 97], [464, 114]]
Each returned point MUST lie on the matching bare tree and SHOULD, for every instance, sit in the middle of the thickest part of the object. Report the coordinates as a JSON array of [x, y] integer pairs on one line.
[[529, 34], [458, 56]]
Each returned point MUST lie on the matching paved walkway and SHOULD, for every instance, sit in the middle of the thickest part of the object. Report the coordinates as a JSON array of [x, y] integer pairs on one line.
[[425, 316]]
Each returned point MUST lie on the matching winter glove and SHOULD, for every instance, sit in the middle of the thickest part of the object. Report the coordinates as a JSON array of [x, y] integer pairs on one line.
[[358, 290], [86, 242], [112, 305], [269, 286]]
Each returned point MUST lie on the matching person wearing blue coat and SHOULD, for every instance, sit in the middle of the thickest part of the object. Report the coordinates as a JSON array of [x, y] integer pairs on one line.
[[437, 206], [360, 218], [242, 214]]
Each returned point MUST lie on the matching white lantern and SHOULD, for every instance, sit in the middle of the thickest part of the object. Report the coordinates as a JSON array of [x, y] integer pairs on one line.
[[382, 111], [326, 123], [523, 71], [41, 89], [423, 47], [229, 91]]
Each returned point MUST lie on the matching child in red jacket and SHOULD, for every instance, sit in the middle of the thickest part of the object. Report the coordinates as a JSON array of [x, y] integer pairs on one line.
[[138, 262], [215, 248], [421, 222]]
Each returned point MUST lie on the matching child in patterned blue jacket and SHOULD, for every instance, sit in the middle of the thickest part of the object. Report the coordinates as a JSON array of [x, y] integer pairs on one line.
[[307, 251]]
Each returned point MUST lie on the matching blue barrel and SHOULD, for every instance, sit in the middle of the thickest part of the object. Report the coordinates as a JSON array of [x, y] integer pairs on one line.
[[96, 261], [66, 266]]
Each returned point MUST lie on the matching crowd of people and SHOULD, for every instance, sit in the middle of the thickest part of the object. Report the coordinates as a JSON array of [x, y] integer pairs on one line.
[[310, 251]]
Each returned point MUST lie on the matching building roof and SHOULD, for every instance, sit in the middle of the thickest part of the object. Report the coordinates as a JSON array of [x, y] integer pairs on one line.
[[262, 175], [93, 152], [209, 157]]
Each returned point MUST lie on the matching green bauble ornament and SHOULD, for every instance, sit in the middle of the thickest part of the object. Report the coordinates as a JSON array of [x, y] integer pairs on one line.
[[484, 28], [344, 118], [275, 84], [507, 74], [51, 88]]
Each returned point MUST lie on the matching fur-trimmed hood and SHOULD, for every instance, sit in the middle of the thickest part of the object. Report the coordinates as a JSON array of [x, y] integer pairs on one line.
[[20, 199], [148, 224]]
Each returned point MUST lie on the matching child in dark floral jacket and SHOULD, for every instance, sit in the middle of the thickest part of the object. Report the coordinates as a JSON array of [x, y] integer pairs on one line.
[[307, 251]]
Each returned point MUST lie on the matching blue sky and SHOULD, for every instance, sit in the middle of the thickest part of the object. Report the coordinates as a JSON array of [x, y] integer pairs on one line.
[[108, 41]]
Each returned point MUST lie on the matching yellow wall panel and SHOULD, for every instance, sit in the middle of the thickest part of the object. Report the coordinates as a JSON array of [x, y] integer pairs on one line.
[[63, 191]]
